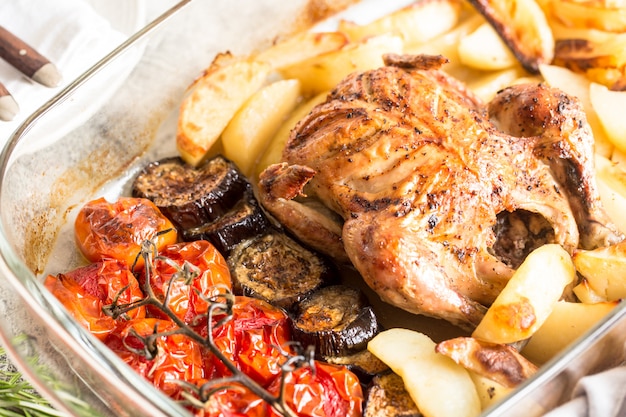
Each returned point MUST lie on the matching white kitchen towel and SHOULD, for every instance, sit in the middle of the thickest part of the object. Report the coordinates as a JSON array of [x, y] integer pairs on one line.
[[72, 34], [599, 395]]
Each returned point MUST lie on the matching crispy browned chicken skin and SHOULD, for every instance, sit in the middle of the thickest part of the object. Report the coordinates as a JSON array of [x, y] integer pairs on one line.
[[437, 204]]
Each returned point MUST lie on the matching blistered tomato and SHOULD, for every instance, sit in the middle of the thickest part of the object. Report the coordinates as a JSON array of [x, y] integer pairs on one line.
[[254, 339], [85, 290], [234, 400], [188, 298], [171, 358], [327, 391], [106, 230]]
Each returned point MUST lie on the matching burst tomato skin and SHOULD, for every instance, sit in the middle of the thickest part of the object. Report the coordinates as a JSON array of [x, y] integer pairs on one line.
[[178, 358], [105, 230], [85, 290], [234, 400], [327, 391], [253, 340], [185, 299]]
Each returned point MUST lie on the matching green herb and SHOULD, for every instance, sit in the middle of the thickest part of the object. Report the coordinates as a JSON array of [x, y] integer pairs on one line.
[[19, 399]]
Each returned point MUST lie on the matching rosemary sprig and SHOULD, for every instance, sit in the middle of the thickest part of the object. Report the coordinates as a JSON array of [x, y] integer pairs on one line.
[[19, 399]]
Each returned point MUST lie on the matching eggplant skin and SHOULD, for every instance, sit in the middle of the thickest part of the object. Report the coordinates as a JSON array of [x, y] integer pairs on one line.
[[244, 221], [364, 364], [277, 269], [337, 320], [189, 196]]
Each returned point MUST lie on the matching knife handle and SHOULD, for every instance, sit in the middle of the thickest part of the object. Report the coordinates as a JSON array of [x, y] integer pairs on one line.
[[27, 60]]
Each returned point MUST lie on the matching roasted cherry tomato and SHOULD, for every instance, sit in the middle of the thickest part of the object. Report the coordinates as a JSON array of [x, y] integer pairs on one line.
[[327, 391], [253, 339], [85, 290], [234, 400], [186, 298], [117, 230], [172, 358]]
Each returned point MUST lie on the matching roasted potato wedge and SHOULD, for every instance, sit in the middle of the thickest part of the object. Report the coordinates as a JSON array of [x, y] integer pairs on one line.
[[595, 14], [484, 49], [586, 294], [604, 269], [429, 377], [249, 132], [489, 391], [567, 322], [415, 24], [321, 73], [603, 62], [609, 106], [523, 26], [486, 86], [498, 362], [212, 102], [273, 152], [611, 181], [301, 47], [529, 296]]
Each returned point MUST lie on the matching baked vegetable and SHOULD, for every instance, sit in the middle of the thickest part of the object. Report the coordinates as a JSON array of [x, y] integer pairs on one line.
[[244, 221], [116, 230], [336, 320], [363, 364], [191, 197], [277, 269], [386, 397]]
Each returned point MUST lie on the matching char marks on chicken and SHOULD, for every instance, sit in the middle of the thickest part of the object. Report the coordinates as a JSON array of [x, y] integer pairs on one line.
[[432, 195]]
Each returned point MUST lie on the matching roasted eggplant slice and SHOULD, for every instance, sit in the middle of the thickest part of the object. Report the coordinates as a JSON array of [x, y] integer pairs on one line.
[[337, 320], [364, 364], [190, 196], [387, 397], [244, 221], [277, 269]]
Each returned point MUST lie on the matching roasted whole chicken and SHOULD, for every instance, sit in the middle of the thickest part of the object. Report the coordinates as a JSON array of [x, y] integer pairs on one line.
[[435, 197]]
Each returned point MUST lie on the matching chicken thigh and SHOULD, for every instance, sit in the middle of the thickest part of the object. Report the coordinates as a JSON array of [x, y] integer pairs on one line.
[[433, 196]]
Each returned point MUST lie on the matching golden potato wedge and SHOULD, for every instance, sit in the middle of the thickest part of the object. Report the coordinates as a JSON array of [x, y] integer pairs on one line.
[[249, 132], [429, 377], [489, 391], [578, 86], [273, 152], [586, 294], [498, 362], [417, 23], [487, 85], [484, 49], [301, 47], [527, 299], [603, 62], [597, 14], [211, 104], [561, 31], [611, 182], [604, 269], [523, 26], [323, 72], [609, 106], [447, 45], [567, 322]]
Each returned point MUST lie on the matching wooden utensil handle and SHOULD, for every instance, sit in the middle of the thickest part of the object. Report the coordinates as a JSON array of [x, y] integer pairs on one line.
[[27, 60]]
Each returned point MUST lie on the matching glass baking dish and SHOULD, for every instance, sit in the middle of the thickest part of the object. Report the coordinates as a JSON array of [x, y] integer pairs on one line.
[[69, 152]]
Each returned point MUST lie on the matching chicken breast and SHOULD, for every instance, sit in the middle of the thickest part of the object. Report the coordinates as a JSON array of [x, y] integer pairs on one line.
[[434, 197]]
